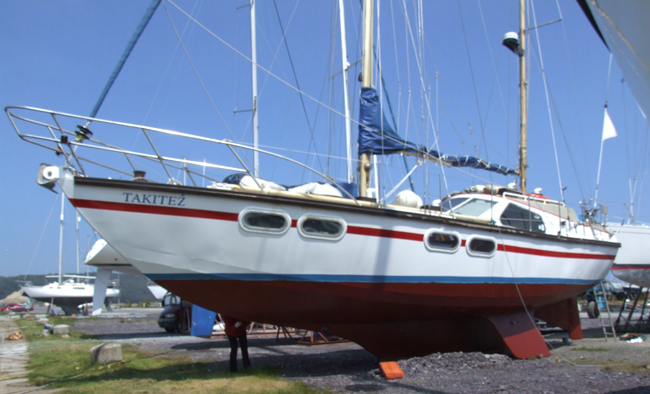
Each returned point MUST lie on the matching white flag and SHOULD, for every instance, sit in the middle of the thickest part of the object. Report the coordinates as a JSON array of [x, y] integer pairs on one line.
[[609, 131]]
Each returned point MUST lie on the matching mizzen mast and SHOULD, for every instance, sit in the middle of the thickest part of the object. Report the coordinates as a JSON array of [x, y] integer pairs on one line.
[[256, 160], [366, 82]]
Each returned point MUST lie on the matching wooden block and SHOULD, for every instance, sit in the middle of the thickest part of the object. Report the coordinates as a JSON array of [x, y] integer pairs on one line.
[[391, 370]]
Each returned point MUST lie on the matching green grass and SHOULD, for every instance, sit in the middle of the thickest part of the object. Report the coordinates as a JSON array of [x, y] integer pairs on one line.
[[64, 363], [33, 331], [590, 349]]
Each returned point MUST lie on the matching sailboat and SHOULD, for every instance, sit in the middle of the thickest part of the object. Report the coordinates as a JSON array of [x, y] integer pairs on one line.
[[106, 260], [68, 291], [400, 279]]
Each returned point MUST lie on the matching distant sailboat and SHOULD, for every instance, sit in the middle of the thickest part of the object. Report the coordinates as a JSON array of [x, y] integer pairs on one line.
[[68, 291]]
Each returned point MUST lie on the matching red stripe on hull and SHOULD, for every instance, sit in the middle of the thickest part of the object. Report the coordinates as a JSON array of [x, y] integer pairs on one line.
[[365, 231], [153, 209], [391, 321], [549, 253], [376, 232]]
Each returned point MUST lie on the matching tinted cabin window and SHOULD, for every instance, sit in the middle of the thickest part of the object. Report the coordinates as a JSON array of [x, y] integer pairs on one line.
[[322, 227], [452, 203], [263, 220], [475, 207], [483, 246], [521, 218], [443, 241]]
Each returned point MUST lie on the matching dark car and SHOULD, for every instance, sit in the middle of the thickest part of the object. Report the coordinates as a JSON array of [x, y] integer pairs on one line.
[[176, 315]]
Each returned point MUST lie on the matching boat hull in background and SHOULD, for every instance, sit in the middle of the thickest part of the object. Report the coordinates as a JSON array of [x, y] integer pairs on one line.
[[632, 262]]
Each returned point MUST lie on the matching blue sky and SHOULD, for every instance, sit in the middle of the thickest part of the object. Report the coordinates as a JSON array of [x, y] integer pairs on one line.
[[59, 55]]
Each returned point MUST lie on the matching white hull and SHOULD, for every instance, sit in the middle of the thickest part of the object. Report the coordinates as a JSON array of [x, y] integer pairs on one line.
[[632, 262], [186, 245], [65, 290], [157, 291], [102, 255]]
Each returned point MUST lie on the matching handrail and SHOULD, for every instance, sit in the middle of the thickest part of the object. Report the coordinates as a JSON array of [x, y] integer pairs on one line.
[[91, 142], [533, 198]]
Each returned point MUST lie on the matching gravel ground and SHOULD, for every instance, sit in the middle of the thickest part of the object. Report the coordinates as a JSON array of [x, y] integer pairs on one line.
[[591, 365]]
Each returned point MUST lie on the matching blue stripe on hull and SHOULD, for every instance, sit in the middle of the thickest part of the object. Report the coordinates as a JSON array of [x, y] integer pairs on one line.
[[369, 278]]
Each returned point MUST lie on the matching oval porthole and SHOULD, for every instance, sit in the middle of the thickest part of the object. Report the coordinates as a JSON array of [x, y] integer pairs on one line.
[[442, 241], [259, 220], [481, 246], [322, 227]]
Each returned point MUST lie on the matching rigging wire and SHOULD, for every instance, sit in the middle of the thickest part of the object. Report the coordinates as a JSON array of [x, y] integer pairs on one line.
[[266, 70], [196, 72], [476, 98], [548, 104], [275, 56], [421, 78], [577, 111], [295, 77], [40, 238], [494, 68], [169, 64]]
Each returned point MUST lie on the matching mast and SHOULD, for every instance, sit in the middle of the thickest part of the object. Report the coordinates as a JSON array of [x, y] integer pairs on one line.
[[61, 240], [256, 161], [523, 161], [344, 62], [77, 229], [366, 82]]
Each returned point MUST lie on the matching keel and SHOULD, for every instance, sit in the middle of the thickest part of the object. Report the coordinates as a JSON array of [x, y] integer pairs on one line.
[[520, 335]]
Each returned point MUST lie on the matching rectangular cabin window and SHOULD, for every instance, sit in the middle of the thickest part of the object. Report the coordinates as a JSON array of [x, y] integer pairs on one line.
[[521, 218], [475, 207]]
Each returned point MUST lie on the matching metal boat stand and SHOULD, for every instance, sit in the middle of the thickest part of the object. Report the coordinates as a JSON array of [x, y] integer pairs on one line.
[[634, 322]]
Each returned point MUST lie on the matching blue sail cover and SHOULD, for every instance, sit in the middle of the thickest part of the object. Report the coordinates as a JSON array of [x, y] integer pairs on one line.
[[379, 138]]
